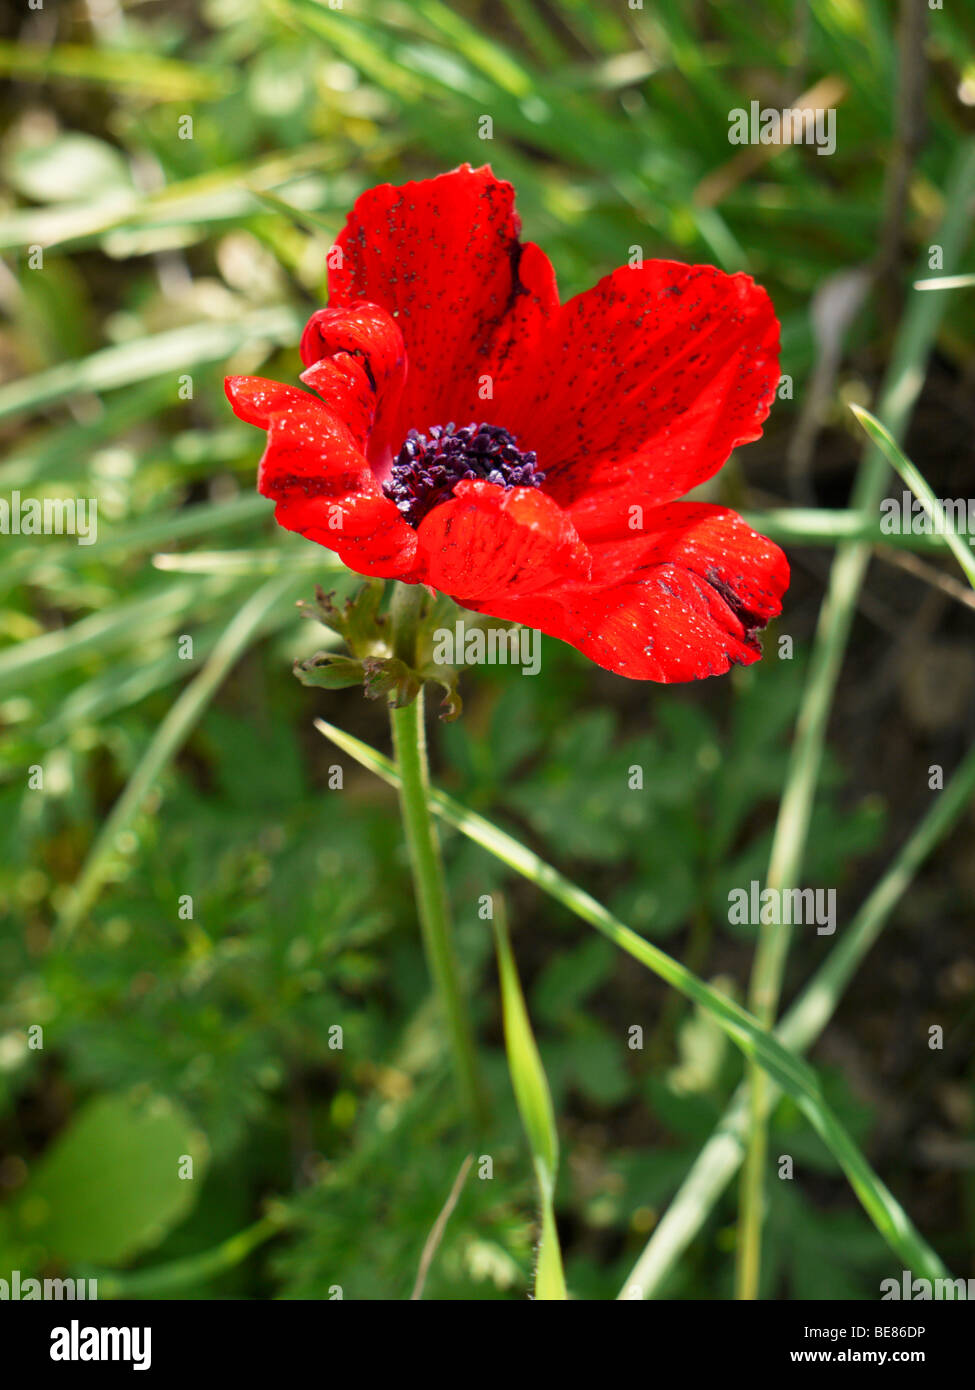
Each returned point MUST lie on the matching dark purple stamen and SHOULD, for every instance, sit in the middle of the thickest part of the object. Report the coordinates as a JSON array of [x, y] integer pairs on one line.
[[429, 467]]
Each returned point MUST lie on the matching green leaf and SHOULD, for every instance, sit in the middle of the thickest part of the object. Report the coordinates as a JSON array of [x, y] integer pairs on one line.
[[72, 166], [534, 1101], [825, 526], [110, 1185], [570, 977]]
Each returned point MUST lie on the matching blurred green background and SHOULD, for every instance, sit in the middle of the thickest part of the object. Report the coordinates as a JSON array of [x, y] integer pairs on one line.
[[169, 262]]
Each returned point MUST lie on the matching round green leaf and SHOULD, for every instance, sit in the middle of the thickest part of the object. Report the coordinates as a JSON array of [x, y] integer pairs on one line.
[[112, 1184]]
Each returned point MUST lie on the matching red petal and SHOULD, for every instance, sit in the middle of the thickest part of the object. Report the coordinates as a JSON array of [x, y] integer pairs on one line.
[[311, 452], [488, 541], [711, 542], [315, 471], [257, 400], [442, 257], [344, 387], [649, 381], [683, 602], [366, 333], [367, 533]]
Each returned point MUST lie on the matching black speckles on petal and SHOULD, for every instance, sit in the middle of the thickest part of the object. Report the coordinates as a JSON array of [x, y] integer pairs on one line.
[[753, 623], [443, 257]]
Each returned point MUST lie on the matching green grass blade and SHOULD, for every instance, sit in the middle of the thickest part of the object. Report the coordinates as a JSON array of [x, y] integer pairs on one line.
[[165, 79], [824, 526], [145, 533], [902, 384], [534, 1101], [272, 559], [721, 1157], [122, 624], [168, 739], [226, 194], [300, 217], [916, 481], [176, 351], [791, 1072], [946, 282], [537, 32], [549, 1275]]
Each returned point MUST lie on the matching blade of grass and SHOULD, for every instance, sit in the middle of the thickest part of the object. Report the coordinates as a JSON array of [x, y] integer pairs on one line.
[[272, 559], [168, 739], [146, 533], [537, 32], [432, 1243], [176, 351], [534, 1101], [916, 482], [794, 1075], [100, 632], [189, 204], [902, 385], [166, 79], [124, 683], [946, 282], [722, 1155], [820, 526], [299, 216]]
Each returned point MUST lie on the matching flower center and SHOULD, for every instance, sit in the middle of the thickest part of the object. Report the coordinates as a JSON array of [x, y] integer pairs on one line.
[[429, 467]]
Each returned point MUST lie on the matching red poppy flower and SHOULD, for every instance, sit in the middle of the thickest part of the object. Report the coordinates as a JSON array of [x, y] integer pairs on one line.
[[471, 433]]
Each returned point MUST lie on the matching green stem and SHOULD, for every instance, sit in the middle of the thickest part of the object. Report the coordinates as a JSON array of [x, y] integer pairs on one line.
[[405, 610], [193, 1270], [409, 743], [748, 1266]]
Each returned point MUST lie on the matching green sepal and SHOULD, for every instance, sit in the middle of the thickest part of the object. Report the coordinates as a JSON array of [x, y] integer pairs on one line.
[[358, 622], [366, 632], [390, 678], [448, 678], [330, 671]]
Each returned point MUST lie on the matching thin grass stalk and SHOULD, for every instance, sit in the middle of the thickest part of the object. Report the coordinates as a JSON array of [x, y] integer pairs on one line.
[[900, 391]]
